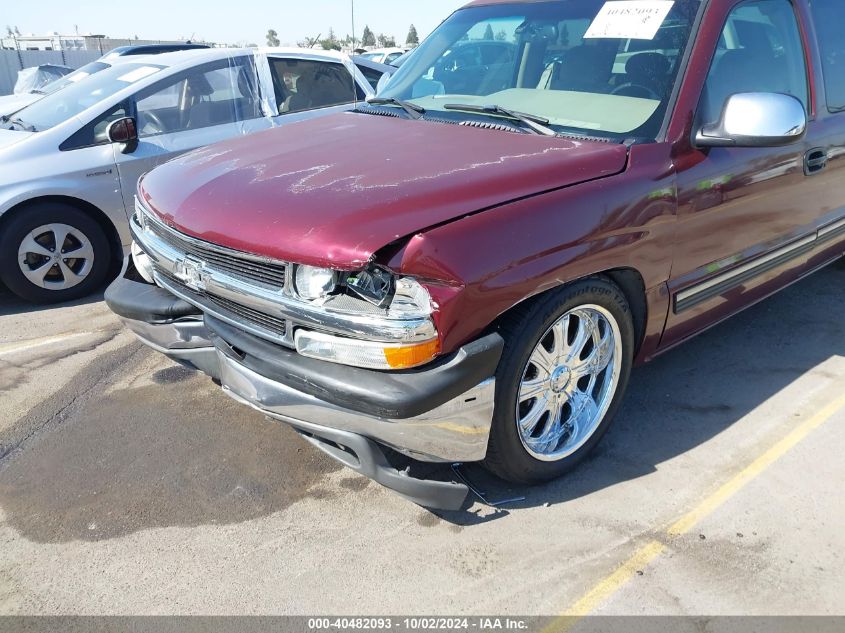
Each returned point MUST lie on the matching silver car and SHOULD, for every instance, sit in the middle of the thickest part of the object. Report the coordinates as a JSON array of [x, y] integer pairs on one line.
[[69, 163]]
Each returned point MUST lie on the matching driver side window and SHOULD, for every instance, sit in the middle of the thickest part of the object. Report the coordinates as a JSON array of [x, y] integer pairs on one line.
[[214, 94], [760, 50]]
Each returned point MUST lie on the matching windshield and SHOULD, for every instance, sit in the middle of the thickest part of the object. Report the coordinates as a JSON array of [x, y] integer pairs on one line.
[[587, 66], [72, 78], [76, 98]]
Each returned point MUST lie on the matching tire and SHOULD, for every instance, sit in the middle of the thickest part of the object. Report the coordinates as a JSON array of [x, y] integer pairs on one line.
[[25, 247], [591, 307]]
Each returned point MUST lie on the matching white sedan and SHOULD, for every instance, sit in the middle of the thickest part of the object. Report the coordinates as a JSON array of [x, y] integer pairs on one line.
[[69, 163], [384, 55]]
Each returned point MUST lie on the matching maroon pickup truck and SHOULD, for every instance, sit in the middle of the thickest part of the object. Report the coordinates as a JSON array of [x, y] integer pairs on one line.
[[466, 267]]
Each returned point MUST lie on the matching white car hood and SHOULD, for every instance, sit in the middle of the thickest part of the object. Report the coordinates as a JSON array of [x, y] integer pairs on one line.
[[10, 137], [13, 103]]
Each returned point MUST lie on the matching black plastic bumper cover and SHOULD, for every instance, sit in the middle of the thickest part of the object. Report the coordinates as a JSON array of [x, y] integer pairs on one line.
[[395, 395], [366, 457], [145, 302]]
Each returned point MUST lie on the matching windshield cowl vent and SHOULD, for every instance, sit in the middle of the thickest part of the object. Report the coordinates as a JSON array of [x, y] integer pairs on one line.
[[491, 126], [379, 112]]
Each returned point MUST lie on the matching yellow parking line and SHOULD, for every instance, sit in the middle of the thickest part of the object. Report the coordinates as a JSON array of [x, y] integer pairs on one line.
[[711, 503], [607, 587], [647, 553], [20, 346]]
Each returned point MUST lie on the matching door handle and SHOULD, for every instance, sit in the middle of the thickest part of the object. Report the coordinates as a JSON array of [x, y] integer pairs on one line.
[[815, 161]]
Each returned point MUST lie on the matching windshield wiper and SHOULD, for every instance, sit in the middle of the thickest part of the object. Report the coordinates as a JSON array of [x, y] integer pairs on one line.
[[413, 110], [26, 128], [537, 124]]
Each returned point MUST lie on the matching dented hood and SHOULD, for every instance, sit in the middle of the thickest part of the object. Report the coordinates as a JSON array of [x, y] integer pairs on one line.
[[332, 191]]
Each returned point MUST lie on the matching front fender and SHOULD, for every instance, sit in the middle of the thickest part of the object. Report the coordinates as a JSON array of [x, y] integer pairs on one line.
[[484, 264]]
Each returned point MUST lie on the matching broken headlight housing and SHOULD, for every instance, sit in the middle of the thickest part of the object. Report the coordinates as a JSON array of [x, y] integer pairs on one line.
[[402, 300], [402, 297]]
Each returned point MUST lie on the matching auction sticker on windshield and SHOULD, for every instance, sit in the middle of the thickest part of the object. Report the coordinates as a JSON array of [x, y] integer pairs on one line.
[[630, 19]]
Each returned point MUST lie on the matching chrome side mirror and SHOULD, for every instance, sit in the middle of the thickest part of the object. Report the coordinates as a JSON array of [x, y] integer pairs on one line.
[[756, 119]]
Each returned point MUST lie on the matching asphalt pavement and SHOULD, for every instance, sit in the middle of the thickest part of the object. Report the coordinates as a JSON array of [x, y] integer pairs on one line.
[[129, 485]]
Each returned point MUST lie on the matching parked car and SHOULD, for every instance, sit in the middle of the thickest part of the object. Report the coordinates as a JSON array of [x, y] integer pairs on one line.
[[399, 61], [383, 55], [373, 71], [71, 161], [12, 103], [476, 279], [31, 80], [150, 49]]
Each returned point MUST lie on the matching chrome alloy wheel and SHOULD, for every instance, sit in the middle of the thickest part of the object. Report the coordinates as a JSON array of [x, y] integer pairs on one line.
[[56, 256], [569, 382]]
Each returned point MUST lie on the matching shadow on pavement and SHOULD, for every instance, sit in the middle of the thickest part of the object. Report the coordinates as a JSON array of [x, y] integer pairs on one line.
[[12, 304], [693, 393], [178, 452]]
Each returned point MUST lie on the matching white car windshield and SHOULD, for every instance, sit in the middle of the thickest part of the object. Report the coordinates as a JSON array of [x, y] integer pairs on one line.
[[60, 106], [77, 75], [582, 67]]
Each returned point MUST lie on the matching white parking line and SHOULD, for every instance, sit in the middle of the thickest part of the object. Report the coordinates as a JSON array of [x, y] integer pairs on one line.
[[21, 346]]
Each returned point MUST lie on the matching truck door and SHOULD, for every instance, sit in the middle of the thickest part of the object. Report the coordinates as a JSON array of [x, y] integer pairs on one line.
[[826, 135], [746, 216]]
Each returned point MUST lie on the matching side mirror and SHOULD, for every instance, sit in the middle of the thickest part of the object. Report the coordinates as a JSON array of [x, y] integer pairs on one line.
[[123, 131], [383, 81], [756, 119]]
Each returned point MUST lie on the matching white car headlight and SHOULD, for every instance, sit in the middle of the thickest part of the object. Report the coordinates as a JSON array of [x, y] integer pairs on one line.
[[313, 283], [143, 263]]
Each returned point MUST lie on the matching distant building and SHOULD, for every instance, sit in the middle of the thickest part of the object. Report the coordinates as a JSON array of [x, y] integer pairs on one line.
[[56, 42]]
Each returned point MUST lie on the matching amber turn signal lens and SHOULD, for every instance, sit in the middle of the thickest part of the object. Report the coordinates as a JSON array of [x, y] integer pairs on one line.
[[412, 355]]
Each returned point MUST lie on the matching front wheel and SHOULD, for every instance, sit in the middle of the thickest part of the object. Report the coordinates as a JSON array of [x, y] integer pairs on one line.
[[563, 374], [53, 252]]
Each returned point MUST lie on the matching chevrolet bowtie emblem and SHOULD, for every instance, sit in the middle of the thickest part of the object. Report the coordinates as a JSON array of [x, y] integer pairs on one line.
[[191, 272]]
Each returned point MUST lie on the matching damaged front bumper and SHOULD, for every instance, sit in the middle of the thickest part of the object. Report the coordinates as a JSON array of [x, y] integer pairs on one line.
[[439, 413]]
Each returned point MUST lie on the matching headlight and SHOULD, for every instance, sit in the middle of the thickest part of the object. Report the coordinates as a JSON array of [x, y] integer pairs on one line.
[[314, 283], [143, 263], [410, 299], [373, 284], [402, 300], [404, 297]]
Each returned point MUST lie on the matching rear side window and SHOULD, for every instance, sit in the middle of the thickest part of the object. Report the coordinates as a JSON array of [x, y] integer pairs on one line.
[[829, 16], [760, 51], [303, 84]]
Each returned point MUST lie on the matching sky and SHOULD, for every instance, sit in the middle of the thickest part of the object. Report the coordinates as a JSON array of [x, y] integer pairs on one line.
[[221, 22]]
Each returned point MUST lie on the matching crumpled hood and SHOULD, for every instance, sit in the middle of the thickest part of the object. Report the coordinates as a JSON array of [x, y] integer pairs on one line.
[[333, 191]]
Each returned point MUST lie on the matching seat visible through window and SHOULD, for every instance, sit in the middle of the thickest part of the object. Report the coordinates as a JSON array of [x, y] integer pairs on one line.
[[764, 54]]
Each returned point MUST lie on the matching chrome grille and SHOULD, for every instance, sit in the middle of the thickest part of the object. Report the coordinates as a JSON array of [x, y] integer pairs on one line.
[[265, 325], [265, 321], [265, 273]]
